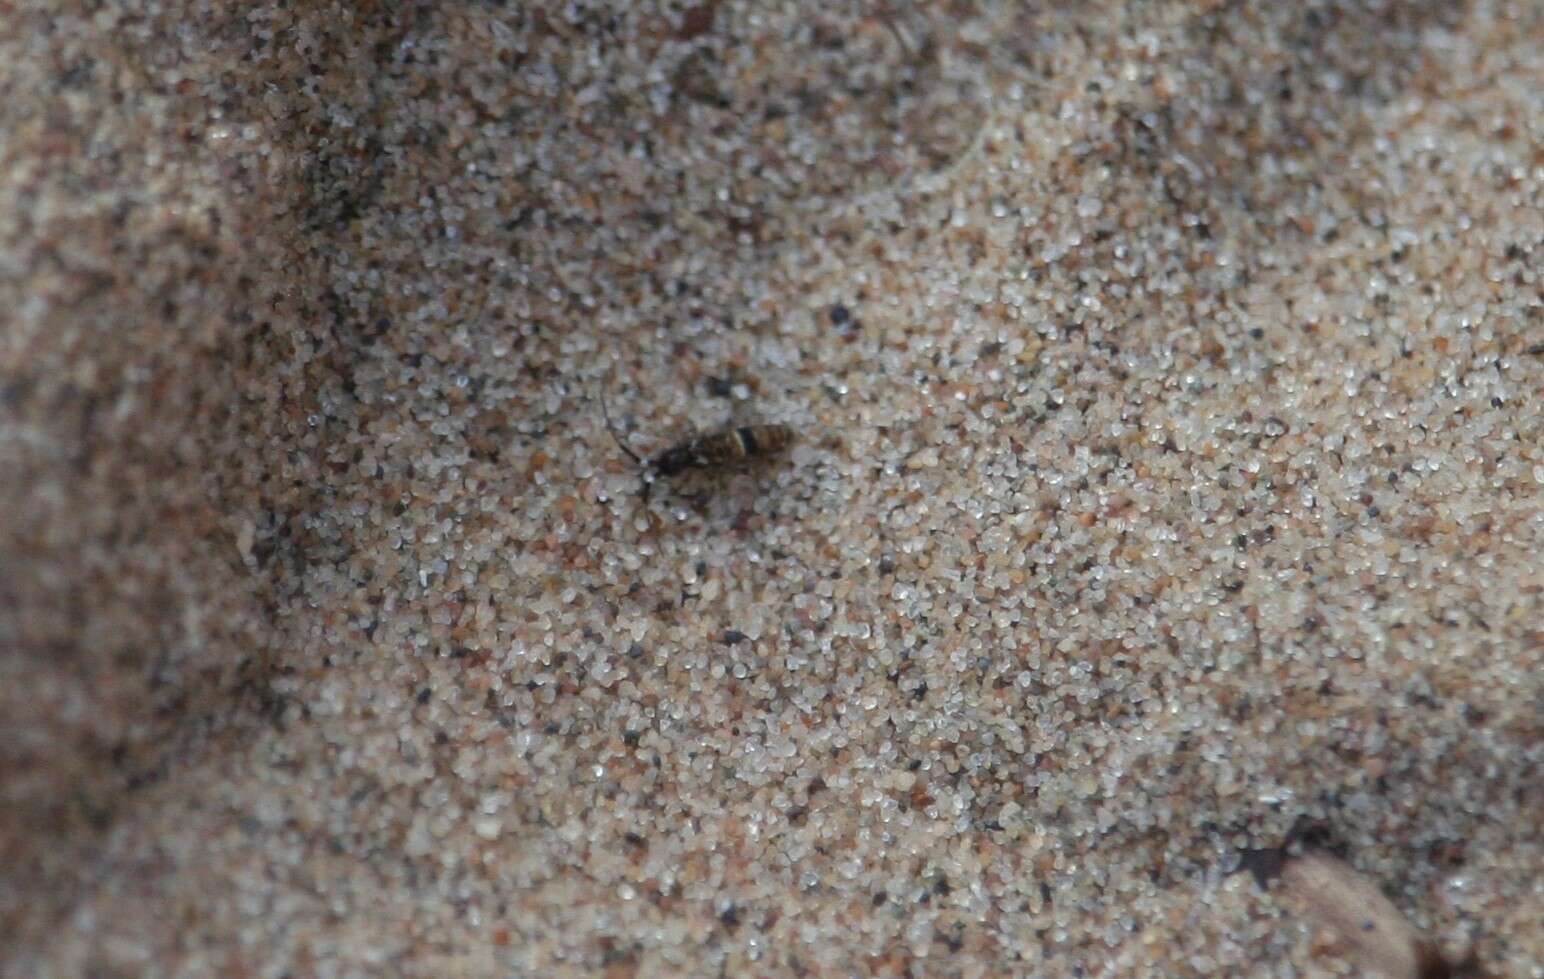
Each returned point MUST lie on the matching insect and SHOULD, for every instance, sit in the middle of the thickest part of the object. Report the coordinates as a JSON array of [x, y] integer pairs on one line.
[[711, 450]]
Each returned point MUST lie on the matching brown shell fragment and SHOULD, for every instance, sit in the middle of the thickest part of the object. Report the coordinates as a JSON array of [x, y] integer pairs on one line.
[[1377, 937]]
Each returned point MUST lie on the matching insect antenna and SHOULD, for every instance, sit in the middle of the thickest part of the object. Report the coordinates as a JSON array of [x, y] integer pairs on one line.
[[612, 428], [643, 464]]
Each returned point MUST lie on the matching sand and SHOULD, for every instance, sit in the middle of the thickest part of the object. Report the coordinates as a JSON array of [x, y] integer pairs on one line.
[[1169, 476]]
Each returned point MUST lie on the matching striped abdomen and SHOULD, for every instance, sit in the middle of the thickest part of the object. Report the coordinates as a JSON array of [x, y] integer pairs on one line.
[[725, 448]]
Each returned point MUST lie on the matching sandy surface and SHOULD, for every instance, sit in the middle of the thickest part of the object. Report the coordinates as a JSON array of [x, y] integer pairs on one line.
[[1170, 474]]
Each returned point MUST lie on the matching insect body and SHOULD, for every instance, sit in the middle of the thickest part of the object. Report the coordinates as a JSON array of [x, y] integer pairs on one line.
[[712, 450], [723, 448]]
